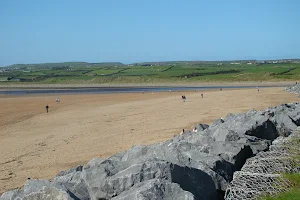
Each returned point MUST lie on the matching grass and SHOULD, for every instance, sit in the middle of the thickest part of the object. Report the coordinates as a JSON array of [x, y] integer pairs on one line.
[[179, 73], [293, 194]]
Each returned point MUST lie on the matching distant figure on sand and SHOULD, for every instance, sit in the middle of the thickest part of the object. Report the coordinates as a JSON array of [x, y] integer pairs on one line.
[[202, 95], [183, 98], [57, 100], [220, 89], [47, 108]]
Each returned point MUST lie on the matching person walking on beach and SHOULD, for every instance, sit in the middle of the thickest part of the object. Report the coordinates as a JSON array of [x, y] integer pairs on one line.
[[202, 95], [47, 108], [183, 98]]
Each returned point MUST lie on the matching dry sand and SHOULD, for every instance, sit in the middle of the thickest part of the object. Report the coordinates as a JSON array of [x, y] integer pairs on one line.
[[39, 145]]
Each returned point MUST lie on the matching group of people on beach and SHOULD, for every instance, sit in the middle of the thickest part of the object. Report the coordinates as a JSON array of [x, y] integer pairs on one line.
[[195, 129], [183, 97]]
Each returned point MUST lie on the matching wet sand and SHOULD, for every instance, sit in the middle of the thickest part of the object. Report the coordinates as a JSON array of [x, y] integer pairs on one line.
[[37, 144]]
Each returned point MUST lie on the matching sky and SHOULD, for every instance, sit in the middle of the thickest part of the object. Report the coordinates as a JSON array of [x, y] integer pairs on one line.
[[128, 31]]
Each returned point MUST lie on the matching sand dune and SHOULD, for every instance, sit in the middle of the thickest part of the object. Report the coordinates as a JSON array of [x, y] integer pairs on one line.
[[39, 145]]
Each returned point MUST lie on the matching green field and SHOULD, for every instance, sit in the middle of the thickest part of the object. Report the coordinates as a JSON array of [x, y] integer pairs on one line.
[[174, 72]]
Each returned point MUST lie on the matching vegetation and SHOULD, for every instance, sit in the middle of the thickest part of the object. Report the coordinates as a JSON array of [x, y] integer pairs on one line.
[[186, 72], [294, 178], [293, 194]]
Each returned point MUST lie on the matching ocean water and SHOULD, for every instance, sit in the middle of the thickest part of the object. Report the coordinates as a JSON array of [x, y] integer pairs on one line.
[[108, 90]]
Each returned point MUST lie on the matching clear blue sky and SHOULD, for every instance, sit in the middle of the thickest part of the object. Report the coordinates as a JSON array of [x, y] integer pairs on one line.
[[35, 31]]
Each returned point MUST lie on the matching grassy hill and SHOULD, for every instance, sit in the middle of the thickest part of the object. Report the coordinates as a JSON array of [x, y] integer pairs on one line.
[[63, 64], [151, 72]]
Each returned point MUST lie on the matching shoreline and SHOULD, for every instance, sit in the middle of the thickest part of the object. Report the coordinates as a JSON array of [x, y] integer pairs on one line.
[[119, 90], [124, 85]]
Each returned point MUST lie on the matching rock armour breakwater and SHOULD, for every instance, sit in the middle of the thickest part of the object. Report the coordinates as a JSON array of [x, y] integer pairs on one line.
[[294, 89]]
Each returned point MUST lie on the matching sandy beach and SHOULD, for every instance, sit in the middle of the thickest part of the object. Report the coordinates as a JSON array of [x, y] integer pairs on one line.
[[37, 144]]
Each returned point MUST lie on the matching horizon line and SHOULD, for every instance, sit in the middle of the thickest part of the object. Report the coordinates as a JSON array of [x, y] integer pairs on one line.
[[154, 61]]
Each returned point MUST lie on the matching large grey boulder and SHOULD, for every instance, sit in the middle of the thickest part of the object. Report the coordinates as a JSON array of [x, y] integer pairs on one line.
[[48, 193], [252, 123], [38, 189], [286, 117], [234, 153], [73, 183], [12, 194], [155, 189], [186, 155], [111, 178]]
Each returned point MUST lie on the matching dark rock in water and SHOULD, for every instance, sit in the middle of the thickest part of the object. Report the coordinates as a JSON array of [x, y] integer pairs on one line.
[[155, 189]]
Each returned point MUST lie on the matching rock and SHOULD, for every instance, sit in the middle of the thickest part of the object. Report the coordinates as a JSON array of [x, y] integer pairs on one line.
[[110, 178], [293, 89], [285, 117], [48, 193], [38, 189], [217, 122], [186, 155], [252, 123], [235, 153], [201, 127], [155, 189], [71, 180], [11, 195], [76, 169], [35, 185]]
